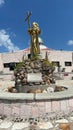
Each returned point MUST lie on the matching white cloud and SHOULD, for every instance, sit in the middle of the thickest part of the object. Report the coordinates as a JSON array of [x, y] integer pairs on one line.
[[2, 2], [6, 41], [70, 42]]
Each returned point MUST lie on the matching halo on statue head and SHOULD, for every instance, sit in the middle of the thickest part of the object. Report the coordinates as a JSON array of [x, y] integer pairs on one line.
[[35, 24]]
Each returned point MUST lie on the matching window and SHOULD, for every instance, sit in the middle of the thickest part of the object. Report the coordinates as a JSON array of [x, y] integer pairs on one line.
[[6, 65], [11, 65], [68, 63]]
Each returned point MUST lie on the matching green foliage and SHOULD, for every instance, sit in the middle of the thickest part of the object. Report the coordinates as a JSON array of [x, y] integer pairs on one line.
[[19, 65], [52, 64], [35, 57], [47, 62]]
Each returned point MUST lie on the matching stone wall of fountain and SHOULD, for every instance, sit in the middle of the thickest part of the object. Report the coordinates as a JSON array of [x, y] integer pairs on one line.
[[32, 75], [27, 105], [31, 108]]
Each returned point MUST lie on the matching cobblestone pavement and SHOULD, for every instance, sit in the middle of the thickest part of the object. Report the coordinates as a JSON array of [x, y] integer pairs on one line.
[[49, 121]]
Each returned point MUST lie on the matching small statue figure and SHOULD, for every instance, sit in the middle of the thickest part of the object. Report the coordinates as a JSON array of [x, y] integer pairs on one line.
[[34, 31]]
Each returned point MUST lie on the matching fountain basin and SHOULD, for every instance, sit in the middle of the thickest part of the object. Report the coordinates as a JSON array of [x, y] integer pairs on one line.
[[34, 104]]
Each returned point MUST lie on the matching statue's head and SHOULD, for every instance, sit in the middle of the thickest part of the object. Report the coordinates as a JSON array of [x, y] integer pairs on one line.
[[34, 24]]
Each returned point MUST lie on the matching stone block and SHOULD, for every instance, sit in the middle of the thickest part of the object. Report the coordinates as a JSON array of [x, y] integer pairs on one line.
[[22, 111], [55, 105], [35, 111], [45, 125], [40, 103], [5, 125], [42, 96], [48, 106], [7, 110], [20, 126], [15, 110], [67, 103], [25, 111], [1, 108], [41, 110], [71, 102], [63, 105], [34, 77]]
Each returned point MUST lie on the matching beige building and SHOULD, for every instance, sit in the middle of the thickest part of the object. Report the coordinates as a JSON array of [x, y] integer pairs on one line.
[[63, 59]]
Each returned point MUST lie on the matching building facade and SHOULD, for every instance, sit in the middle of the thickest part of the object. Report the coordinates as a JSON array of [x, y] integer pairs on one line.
[[62, 59]]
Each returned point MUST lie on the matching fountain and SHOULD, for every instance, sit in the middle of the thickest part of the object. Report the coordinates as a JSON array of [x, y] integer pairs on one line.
[[33, 74]]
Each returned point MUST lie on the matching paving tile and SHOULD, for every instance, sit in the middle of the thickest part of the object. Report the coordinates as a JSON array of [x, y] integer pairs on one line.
[[5, 125]]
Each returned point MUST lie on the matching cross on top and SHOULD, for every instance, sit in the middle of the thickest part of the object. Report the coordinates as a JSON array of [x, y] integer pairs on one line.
[[28, 18]]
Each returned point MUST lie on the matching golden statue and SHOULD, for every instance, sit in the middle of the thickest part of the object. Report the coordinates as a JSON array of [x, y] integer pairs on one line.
[[34, 32]]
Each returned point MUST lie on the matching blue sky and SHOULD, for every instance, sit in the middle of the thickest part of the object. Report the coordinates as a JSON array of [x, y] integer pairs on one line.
[[55, 18]]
